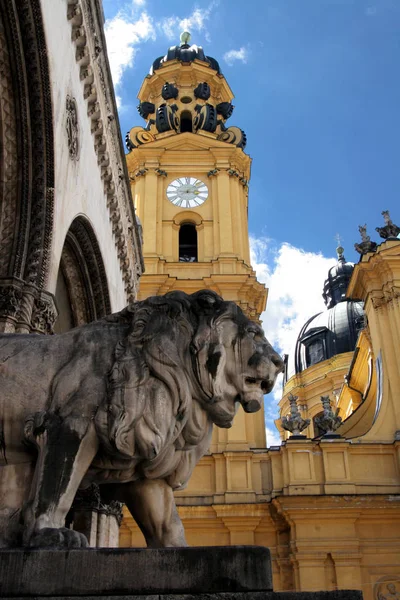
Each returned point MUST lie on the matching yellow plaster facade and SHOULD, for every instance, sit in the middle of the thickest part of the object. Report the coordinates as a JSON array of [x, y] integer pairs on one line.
[[346, 527], [329, 510]]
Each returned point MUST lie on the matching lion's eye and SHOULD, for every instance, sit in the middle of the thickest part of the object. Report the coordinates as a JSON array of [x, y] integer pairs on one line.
[[252, 333]]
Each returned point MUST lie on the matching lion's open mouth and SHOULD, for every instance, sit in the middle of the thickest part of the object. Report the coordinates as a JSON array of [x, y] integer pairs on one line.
[[264, 384]]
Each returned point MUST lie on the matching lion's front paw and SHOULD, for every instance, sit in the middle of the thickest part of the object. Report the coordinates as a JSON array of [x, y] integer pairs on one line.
[[58, 538]]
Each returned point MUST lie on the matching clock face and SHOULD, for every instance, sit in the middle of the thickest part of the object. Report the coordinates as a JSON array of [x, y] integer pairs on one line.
[[187, 192]]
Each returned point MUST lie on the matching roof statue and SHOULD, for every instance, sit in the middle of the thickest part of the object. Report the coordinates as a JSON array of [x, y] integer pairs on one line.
[[366, 245], [390, 230]]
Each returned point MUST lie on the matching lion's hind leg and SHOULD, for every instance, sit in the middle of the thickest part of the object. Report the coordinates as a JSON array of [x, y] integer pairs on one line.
[[151, 502]]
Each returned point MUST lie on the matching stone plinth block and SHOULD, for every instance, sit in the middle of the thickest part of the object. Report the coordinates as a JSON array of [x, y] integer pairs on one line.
[[119, 572]]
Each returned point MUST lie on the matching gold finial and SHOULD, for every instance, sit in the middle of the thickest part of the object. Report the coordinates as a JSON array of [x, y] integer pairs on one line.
[[185, 37]]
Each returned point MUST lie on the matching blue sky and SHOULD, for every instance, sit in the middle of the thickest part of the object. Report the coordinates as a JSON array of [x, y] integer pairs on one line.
[[317, 91]]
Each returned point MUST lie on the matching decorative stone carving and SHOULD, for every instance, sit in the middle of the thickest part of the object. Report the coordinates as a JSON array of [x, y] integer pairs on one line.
[[102, 110], [294, 422], [166, 118], [24, 308], [202, 91], [366, 245], [128, 401], [233, 135], [26, 211], [329, 421], [169, 91], [10, 301], [225, 109], [387, 588], [71, 125], [389, 294], [44, 315], [390, 230], [206, 118], [138, 136], [145, 109]]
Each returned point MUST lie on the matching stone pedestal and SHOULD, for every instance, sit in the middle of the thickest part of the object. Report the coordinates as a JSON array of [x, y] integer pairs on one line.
[[212, 573]]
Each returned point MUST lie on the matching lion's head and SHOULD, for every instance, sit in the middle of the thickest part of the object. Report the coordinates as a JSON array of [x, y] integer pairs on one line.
[[182, 348]]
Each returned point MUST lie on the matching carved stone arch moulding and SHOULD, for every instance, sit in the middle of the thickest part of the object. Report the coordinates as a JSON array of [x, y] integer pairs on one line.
[[27, 169], [83, 271]]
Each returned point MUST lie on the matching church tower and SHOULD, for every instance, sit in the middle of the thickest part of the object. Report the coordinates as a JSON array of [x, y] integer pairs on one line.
[[189, 177]]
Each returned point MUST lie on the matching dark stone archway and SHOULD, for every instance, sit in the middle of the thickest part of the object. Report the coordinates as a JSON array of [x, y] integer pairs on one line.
[[26, 169], [82, 291]]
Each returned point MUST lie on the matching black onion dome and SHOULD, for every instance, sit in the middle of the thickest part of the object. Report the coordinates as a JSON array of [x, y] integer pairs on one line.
[[336, 329], [329, 333], [185, 53], [338, 280]]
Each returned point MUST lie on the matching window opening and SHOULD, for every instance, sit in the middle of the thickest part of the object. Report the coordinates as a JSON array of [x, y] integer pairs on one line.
[[186, 122], [315, 352], [188, 243]]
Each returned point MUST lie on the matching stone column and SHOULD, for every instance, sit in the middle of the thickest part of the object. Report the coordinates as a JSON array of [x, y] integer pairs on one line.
[[24, 308], [99, 522]]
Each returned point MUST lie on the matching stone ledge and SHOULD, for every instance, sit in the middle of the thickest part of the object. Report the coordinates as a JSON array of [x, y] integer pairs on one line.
[[336, 595], [130, 572]]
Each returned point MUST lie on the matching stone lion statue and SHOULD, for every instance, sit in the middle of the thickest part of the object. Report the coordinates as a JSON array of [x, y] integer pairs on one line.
[[127, 402]]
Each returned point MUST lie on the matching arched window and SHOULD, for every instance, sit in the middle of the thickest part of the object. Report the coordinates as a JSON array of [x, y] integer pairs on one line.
[[188, 243], [186, 121]]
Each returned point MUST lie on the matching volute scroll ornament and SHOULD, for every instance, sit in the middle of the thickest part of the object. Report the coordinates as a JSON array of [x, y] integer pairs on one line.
[[166, 118], [138, 136], [206, 118], [233, 135]]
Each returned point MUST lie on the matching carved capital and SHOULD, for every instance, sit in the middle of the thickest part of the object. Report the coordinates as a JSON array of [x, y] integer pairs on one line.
[[44, 314]]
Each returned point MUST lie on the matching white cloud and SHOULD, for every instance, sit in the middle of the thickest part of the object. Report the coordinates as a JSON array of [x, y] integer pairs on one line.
[[173, 26], [232, 55], [128, 29], [124, 33], [295, 279], [273, 438]]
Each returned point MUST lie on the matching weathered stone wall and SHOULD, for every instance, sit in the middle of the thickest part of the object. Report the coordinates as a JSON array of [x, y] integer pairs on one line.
[[89, 173]]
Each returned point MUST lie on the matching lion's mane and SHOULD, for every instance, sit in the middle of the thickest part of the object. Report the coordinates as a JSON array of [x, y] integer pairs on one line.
[[153, 379]]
